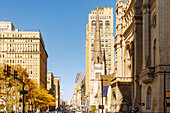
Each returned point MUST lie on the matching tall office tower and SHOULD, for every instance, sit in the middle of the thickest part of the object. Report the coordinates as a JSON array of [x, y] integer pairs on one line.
[[106, 43], [24, 47], [50, 83], [57, 90]]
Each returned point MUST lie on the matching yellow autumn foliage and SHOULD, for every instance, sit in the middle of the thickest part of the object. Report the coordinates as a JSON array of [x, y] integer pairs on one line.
[[9, 87]]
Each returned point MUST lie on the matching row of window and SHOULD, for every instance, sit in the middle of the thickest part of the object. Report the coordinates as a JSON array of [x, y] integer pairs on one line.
[[100, 22], [106, 50], [102, 35], [94, 12], [107, 40], [106, 31], [31, 77], [32, 72], [108, 64], [22, 61], [19, 35], [101, 17], [106, 59], [30, 67], [20, 45], [20, 56], [102, 45], [107, 24], [108, 68], [103, 54], [19, 50], [101, 27], [18, 40]]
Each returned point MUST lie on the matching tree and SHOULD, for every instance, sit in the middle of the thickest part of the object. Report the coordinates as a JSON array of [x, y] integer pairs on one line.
[[10, 90], [6, 89], [43, 98]]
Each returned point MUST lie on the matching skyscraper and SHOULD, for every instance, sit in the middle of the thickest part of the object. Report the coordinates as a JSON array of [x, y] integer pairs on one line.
[[99, 44], [57, 91], [50, 83], [24, 47]]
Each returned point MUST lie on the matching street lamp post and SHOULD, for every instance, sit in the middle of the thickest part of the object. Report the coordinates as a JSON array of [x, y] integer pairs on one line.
[[102, 95]]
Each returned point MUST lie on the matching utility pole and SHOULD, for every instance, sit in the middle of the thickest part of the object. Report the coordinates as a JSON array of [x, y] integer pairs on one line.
[[164, 92], [102, 95], [23, 98]]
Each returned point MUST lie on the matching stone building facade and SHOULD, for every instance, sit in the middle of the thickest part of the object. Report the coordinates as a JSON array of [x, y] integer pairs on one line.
[[142, 54], [50, 83], [25, 48], [107, 41]]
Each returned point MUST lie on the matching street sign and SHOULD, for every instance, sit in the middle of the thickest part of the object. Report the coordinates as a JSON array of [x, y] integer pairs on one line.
[[167, 104], [167, 95], [101, 106], [23, 92]]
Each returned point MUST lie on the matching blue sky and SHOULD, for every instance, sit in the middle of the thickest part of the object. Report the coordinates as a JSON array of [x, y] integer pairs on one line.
[[63, 26]]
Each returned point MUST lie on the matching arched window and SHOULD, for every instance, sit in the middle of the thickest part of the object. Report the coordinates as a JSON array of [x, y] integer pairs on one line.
[[148, 98], [154, 21], [154, 52], [93, 24], [107, 24], [101, 24], [98, 59], [102, 40]]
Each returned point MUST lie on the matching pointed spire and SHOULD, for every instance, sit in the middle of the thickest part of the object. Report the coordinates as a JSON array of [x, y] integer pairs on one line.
[[97, 41]]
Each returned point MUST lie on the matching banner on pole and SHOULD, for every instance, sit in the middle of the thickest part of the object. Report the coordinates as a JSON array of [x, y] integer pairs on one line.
[[105, 90]]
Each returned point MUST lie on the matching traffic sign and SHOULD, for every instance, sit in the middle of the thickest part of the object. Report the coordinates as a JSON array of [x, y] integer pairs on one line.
[[23, 92], [167, 95], [167, 104], [101, 106]]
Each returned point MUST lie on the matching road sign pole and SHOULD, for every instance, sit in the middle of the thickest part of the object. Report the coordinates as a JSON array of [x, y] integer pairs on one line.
[[23, 99], [102, 95]]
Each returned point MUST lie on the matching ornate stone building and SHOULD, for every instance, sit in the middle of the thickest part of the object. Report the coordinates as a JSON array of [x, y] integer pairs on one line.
[[155, 55], [127, 21], [142, 54]]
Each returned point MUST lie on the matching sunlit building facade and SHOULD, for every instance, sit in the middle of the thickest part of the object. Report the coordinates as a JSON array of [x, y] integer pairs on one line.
[[50, 83], [142, 59], [26, 48], [57, 90], [106, 43]]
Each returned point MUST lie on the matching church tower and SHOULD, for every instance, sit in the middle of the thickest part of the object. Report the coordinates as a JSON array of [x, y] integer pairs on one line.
[[99, 45], [98, 67], [97, 42]]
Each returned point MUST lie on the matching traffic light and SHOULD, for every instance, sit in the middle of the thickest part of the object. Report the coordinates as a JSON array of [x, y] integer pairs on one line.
[[5, 70], [136, 109], [27, 98], [142, 104], [20, 100], [8, 70], [15, 73]]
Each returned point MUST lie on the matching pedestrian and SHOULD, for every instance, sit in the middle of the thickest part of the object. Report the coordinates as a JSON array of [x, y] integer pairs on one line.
[[47, 111]]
